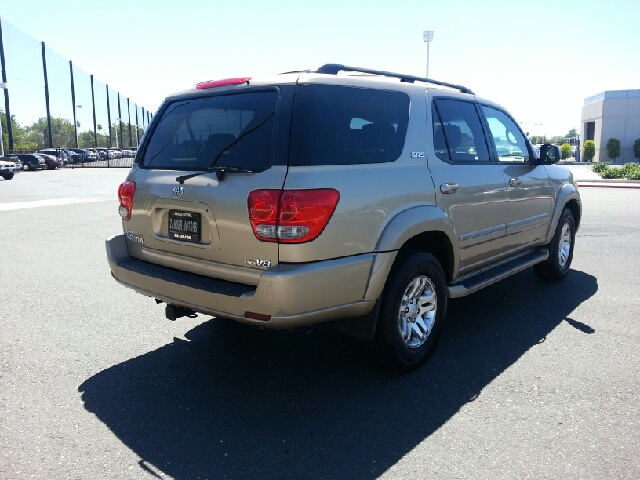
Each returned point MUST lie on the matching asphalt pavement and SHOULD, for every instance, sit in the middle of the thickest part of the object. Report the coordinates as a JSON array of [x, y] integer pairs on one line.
[[530, 380]]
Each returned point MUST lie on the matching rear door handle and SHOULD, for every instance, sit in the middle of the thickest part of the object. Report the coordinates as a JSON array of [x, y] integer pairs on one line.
[[449, 187], [514, 182]]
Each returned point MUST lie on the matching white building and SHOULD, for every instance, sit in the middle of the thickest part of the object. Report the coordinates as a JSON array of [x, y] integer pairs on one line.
[[612, 114]]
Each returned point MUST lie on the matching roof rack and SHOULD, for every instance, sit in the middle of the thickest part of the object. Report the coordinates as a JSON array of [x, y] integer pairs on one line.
[[334, 68]]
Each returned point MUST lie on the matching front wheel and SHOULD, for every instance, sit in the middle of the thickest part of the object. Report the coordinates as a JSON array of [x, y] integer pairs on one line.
[[7, 176], [26, 167], [560, 250], [412, 311]]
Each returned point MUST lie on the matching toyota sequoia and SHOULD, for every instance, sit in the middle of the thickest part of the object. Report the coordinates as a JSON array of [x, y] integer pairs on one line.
[[338, 193]]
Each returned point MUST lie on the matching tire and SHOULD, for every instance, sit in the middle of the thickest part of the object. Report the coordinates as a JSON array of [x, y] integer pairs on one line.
[[26, 167], [406, 334], [8, 176], [556, 267]]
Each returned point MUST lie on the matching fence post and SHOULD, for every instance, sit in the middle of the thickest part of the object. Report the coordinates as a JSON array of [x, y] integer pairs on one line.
[[137, 128], [129, 109], [109, 120], [46, 94], [73, 101], [93, 102], [120, 118], [7, 111]]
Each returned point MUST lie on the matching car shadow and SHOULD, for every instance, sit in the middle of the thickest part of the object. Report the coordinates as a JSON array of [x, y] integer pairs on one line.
[[239, 402]]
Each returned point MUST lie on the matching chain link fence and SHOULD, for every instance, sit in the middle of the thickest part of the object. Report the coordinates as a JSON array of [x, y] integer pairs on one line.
[[51, 103]]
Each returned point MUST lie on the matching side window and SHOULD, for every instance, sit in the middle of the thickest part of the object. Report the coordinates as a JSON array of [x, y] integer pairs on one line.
[[337, 125], [457, 132], [511, 146]]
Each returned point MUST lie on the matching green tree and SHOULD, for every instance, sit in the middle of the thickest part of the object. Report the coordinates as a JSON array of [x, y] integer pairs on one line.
[[566, 150], [20, 140], [613, 148], [636, 149], [85, 139], [589, 150], [572, 133], [62, 132]]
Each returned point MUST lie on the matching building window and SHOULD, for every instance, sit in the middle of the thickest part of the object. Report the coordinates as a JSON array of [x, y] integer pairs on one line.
[[590, 130]]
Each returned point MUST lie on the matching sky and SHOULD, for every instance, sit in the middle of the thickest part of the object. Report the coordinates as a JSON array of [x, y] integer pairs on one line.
[[539, 60]]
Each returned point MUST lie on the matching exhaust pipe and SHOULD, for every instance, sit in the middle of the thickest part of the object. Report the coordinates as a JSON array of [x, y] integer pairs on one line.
[[173, 312]]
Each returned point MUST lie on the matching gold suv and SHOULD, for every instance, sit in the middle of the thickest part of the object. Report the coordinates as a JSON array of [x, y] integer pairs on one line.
[[338, 193]]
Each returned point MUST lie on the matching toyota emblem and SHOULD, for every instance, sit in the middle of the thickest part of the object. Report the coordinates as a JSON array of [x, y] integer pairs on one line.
[[178, 191]]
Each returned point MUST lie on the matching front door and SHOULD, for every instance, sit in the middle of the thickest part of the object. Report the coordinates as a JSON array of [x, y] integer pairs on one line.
[[530, 194]]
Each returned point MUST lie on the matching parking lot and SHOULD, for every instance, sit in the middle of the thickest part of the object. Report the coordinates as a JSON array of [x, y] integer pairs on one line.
[[529, 381]]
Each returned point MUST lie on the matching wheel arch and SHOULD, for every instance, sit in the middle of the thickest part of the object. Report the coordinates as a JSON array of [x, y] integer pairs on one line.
[[568, 197], [423, 228]]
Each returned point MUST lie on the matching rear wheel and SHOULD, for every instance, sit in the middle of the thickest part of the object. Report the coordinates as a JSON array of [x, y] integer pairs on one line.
[[560, 250], [412, 311], [26, 167]]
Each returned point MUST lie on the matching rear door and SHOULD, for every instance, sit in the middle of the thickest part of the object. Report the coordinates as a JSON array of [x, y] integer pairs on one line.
[[206, 218], [470, 187]]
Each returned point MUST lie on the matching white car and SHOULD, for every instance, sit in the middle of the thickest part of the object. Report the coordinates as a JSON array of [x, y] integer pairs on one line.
[[7, 169]]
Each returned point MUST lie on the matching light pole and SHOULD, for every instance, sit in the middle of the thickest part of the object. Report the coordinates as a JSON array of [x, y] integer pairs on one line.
[[538, 125], [427, 36], [3, 86], [116, 129], [75, 127]]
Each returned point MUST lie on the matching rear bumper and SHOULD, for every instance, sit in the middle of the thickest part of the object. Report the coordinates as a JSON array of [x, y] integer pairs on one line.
[[292, 294]]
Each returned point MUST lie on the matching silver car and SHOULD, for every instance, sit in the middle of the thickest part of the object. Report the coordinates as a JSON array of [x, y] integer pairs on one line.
[[339, 193]]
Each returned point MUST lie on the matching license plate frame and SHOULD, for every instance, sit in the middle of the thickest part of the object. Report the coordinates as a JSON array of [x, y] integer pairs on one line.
[[184, 226]]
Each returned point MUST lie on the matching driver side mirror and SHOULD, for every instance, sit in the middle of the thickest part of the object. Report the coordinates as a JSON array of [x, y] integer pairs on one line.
[[549, 154]]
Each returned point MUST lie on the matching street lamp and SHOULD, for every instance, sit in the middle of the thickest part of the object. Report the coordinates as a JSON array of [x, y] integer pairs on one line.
[[427, 36]]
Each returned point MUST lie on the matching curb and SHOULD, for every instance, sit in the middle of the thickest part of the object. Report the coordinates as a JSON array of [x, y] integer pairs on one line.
[[609, 184]]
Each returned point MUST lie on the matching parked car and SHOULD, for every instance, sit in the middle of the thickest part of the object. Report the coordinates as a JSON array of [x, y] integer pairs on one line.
[[372, 199], [7, 168], [58, 153], [31, 161], [13, 159], [93, 153], [105, 153], [74, 156], [51, 161], [84, 155], [116, 152]]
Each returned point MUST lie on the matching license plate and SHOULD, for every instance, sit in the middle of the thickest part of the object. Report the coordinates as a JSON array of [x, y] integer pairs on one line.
[[184, 226]]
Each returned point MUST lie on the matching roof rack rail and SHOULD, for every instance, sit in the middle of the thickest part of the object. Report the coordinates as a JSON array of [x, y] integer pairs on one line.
[[334, 68]]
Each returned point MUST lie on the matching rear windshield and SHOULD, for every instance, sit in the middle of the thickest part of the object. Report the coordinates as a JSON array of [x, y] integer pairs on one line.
[[337, 125], [222, 130]]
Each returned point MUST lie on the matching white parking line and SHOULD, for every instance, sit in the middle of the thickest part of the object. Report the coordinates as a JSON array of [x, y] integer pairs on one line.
[[4, 207]]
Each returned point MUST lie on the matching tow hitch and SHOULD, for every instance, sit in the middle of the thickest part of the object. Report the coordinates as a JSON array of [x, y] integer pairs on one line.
[[173, 312]]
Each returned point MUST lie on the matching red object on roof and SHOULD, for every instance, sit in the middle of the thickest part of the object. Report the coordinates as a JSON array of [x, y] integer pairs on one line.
[[222, 83]]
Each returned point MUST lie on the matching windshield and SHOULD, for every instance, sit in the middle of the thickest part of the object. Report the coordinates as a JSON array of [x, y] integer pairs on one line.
[[197, 133]]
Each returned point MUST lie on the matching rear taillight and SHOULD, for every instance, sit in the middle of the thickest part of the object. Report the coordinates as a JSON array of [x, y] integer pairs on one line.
[[291, 216], [126, 191]]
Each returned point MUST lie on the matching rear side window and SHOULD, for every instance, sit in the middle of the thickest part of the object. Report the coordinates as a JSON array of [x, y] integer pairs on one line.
[[457, 132], [223, 130], [336, 125]]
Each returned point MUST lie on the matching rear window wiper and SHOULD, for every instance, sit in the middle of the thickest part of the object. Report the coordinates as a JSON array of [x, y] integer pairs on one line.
[[220, 172]]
